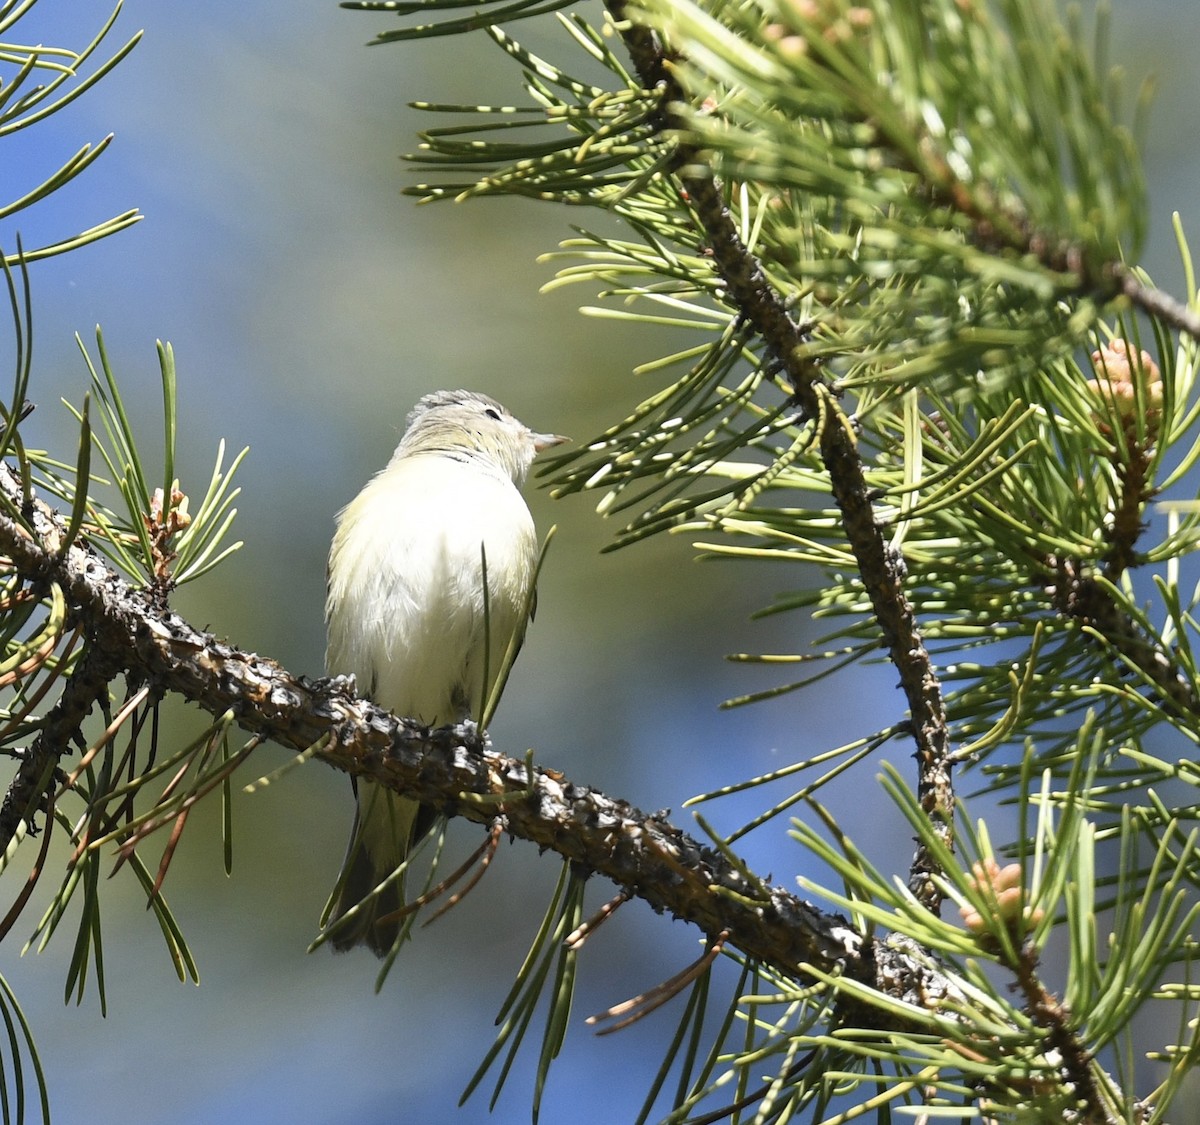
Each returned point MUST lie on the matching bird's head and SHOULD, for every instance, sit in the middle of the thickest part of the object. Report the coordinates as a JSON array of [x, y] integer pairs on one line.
[[466, 421]]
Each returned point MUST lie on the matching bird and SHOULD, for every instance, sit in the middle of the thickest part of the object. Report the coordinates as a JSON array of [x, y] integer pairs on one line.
[[405, 612]]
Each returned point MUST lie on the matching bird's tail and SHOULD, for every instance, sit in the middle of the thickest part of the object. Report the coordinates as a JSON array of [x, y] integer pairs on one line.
[[363, 896]]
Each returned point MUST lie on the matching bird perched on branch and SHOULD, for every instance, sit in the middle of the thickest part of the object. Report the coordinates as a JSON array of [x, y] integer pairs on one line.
[[405, 611]]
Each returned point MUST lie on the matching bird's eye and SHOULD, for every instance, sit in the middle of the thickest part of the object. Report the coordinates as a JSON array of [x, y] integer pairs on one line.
[[493, 413]]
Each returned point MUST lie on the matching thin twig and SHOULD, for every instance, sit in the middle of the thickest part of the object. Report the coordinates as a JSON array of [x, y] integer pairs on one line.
[[1170, 310]]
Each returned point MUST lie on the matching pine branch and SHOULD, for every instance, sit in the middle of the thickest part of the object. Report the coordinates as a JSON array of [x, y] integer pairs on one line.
[[451, 768], [1048, 1012], [882, 569], [1084, 598], [1155, 302], [36, 777]]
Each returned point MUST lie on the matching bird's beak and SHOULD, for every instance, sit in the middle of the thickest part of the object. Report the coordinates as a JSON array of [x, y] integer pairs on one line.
[[545, 441]]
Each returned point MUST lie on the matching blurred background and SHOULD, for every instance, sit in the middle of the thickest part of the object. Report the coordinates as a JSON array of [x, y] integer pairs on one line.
[[309, 305]]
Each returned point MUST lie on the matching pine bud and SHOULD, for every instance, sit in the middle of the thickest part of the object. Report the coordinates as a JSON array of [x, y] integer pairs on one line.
[[1126, 382], [1001, 886]]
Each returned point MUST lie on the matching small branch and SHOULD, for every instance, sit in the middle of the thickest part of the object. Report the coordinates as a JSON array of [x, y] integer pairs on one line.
[[882, 570], [1127, 525], [1170, 310], [35, 779], [1046, 1011], [1078, 596], [997, 227]]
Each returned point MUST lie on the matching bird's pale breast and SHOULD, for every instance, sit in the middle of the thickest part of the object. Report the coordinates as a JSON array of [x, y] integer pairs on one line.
[[409, 547]]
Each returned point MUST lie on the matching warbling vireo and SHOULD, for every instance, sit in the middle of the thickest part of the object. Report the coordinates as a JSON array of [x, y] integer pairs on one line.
[[405, 609]]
